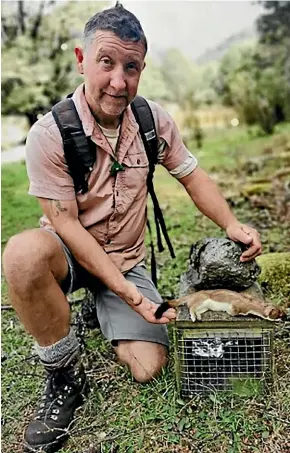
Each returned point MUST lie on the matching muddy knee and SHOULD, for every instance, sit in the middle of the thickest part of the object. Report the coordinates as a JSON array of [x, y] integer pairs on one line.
[[31, 254], [145, 360]]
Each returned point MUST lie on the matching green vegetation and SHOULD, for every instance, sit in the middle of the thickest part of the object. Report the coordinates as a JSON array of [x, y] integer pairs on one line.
[[38, 53], [39, 66], [121, 415], [254, 77], [19, 212], [251, 167], [275, 275]]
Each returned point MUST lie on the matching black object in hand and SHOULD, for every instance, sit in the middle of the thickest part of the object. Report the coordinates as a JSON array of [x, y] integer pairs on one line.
[[161, 309]]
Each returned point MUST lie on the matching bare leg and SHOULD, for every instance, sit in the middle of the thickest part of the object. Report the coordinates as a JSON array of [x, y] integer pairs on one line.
[[34, 264], [144, 359]]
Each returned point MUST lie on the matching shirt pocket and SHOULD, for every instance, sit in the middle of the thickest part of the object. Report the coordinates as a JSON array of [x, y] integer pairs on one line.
[[134, 177]]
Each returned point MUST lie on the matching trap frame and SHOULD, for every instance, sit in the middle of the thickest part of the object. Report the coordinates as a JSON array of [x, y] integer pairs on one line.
[[222, 353]]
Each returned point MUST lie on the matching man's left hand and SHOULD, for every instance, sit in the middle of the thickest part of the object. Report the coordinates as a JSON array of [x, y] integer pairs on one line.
[[248, 236]]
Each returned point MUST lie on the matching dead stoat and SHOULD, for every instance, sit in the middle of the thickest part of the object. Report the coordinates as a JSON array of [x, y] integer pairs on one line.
[[225, 300]]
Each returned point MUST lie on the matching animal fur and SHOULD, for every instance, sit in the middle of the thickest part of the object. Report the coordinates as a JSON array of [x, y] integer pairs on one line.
[[225, 300]]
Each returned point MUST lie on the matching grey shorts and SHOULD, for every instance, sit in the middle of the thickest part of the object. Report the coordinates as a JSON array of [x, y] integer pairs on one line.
[[117, 320]]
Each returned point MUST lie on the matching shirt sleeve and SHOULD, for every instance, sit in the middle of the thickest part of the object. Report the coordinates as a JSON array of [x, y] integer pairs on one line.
[[172, 153], [46, 166]]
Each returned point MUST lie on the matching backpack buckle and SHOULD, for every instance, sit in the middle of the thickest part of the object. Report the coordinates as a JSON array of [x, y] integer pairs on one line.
[[150, 135]]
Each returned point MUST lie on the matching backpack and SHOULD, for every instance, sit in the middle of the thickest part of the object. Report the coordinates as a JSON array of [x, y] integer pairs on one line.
[[81, 153]]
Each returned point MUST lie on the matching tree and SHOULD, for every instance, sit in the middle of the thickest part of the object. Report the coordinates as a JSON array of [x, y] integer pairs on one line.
[[152, 84], [192, 130], [178, 73], [38, 63], [274, 32], [274, 27], [255, 77], [250, 79]]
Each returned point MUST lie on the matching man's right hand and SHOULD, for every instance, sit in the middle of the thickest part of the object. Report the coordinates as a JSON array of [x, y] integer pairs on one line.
[[145, 307], [63, 215]]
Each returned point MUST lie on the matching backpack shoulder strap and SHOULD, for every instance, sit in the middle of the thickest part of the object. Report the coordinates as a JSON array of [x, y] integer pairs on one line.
[[77, 151], [144, 117]]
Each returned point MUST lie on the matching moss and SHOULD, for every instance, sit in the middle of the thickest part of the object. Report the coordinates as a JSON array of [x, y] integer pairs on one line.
[[275, 274], [256, 189]]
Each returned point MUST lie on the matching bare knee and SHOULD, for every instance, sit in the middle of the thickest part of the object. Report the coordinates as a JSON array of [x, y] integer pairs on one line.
[[144, 359], [29, 255]]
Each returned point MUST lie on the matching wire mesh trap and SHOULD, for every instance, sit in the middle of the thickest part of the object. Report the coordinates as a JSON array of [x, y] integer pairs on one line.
[[223, 353]]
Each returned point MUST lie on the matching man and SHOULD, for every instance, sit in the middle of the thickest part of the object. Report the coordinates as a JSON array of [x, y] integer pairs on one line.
[[96, 239]]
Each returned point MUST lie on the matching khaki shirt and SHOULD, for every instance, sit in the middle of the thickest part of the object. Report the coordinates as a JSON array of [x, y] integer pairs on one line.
[[114, 208]]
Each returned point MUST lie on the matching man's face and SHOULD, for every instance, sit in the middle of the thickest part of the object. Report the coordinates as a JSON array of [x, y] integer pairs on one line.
[[112, 69]]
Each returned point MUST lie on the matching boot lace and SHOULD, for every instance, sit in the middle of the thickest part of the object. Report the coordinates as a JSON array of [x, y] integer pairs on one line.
[[59, 386]]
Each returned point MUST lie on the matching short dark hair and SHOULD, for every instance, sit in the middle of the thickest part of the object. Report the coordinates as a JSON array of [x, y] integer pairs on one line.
[[117, 20]]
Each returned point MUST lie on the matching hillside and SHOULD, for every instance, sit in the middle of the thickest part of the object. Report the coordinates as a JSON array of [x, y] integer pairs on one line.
[[216, 53]]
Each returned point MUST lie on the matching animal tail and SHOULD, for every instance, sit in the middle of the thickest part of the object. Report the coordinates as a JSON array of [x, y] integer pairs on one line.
[[173, 303], [161, 309]]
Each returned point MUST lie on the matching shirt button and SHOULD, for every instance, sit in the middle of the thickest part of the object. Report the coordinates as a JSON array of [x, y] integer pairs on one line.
[[138, 161], [108, 241]]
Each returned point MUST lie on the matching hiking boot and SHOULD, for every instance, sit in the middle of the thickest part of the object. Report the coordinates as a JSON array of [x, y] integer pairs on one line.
[[64, 392]]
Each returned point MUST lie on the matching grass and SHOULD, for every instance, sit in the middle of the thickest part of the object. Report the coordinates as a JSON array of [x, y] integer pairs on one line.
[[121, 415], [19, 211]]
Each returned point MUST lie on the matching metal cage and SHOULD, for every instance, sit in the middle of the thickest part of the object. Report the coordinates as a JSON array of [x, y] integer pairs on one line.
[[222, 353]]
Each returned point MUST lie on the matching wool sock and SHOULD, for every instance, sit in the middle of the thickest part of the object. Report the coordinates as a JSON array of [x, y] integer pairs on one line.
[[61, 353]]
